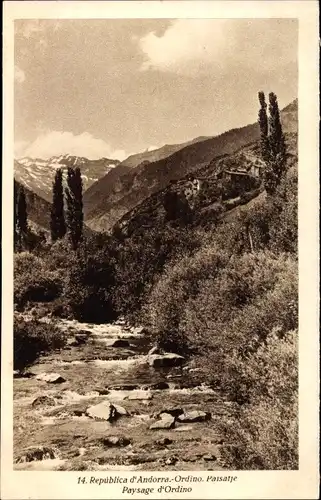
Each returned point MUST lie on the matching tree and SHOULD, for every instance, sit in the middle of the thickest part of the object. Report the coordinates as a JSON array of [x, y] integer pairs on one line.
[[264, 127], [15, 212], [277, 138], [21, 217], [273, 147], [57, 217], [75, 216], [176, 207]]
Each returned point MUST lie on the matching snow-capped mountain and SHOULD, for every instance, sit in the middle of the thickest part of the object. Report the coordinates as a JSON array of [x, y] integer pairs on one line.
[[38, 174]]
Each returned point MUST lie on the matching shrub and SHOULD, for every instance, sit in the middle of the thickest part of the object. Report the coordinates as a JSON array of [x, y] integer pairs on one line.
[[33, 283], [236, 311], [31, 338], [140, 262], [179, 284], [89, 285], [265, 433], [273, 222]]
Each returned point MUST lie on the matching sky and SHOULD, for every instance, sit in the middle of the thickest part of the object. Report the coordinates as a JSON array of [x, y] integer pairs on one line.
[[111, 88]]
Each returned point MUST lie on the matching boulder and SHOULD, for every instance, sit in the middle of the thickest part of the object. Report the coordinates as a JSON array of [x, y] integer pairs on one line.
[[166, 422], [36, 453], [184, 428], [123, 387], [51, 378], [106, 411], [209, 457], [155, 350], [120, 343], [79, 340], [115, 441], [159, 386], [102, 411], [164, 442], [166, 360], [194, 416], [19, 374], [174, 412], [43, 401], [120, 411], [102, 391], [71, 341], [140, 395]]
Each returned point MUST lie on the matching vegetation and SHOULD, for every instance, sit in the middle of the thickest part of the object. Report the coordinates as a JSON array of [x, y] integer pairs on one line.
[[21, 218], [75, 217], [57, 216], [31, 338], [273, 146]]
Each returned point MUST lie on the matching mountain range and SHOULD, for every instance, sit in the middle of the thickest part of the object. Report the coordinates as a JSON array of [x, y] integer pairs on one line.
[[113, 189], [37, 174]]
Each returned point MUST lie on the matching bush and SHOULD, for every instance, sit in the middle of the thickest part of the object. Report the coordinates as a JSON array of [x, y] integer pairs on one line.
[[236, 311], [179, 284], [89, 285], [274, 221], [33, 282], [265, 433], [31, 338], [140, 262]]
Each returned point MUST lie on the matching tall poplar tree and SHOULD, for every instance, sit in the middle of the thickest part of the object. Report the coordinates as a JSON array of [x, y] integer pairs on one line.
[[15, 212], [74, 214], [21, 217], [276, 138], [57, 216], [264, 127], [273, 147]]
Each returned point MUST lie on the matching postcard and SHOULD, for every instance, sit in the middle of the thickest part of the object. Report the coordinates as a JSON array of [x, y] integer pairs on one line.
[[160, 250]]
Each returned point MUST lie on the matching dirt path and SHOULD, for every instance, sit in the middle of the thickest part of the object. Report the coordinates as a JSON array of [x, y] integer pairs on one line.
[[58, 426]]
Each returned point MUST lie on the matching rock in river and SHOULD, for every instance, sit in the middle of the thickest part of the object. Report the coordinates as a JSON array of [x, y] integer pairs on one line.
[[174, 412], [166, 360], [43, 401], [194, 416], [51, 378], [36, 453], [166, 422], [115, 441], [120, 343], [106, 411]]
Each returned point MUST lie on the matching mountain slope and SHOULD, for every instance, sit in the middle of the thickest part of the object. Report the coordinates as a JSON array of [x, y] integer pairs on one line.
[[37, 174], [135, 160], [207, 203], [140, 183], [38, 209]]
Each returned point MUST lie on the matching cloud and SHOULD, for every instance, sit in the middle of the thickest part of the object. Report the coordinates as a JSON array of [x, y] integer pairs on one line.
[[19, 75], [56, 143], [193, 46], [19, 148]]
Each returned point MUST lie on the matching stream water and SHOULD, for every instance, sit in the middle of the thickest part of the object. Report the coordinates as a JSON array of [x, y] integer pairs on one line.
[[93, 405]]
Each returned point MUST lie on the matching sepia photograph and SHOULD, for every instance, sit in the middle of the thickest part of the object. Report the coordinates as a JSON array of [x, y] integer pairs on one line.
[[155, 247]]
